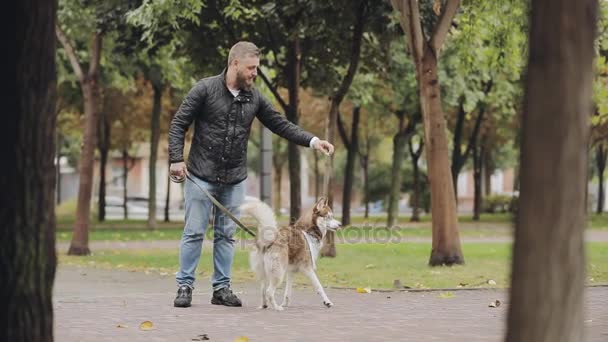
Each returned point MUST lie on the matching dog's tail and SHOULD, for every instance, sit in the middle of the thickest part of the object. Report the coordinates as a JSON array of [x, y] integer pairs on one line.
[[267, 222]]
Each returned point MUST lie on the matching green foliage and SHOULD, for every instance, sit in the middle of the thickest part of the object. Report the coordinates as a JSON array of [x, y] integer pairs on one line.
[[500, 204]]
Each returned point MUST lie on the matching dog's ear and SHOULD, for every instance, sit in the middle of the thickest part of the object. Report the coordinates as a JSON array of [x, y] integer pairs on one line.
[[321, 203]]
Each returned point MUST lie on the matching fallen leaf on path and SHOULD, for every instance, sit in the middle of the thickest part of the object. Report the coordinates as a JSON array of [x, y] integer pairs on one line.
[[146, 325], [121, 326], [494, 304], [241, 339], [446, 295], [364, 290]]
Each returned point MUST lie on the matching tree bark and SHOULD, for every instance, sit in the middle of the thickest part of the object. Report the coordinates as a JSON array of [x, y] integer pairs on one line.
[[446, 241], [459, 158], [329, 247], [398, 157], [416, 195], [27, 240], [157, 85], [293, 153], [548, 254], [104, 149], [349, 172], [90, 93], [58, 155], [167, 199], [600, 161], [477, 171], [125, 172]]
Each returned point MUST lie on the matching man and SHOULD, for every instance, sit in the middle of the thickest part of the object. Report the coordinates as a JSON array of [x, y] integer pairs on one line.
[[222, 108]]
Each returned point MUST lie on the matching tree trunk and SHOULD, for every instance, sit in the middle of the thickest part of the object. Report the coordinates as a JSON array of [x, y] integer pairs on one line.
[[398, 157], [317, 177], [90, 94], [349, 172], [416, 195], [103, 161], [487, 172], [154, 138], [446, 241], [458, 158], [329, 246], [477, 153], [365, 163], [80, 237], [104, 149], [293, 153], [125, 172], [58, 169], [167, 200], [277, 180], [549, 253], [600, 162], [27, 238]]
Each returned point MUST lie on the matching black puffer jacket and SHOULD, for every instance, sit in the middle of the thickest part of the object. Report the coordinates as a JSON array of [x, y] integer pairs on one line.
[[222, 124]]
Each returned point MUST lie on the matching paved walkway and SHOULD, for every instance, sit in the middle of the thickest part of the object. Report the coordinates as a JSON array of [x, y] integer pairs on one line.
[[108, 305]]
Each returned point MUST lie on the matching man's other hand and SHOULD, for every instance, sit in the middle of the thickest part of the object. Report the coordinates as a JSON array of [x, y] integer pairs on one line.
[[178, 170], [324, 146]]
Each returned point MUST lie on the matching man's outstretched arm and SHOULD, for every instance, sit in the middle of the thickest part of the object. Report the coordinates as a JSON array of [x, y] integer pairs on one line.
[[279, 125]]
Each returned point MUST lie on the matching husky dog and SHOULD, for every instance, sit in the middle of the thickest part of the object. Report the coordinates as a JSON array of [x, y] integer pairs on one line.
[[284, 251]]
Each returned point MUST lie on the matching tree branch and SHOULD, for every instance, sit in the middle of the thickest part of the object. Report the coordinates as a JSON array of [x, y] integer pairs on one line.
[[410, 23], [274, 90], [482, 110], [95, 54], [354, 54], [442, 27], [69, 50], [342, 132], [273, 46]]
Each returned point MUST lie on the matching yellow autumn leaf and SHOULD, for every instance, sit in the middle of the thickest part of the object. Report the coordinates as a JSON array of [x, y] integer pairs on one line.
[[364, 290], [241, 339], [446, 295], [146, 325]]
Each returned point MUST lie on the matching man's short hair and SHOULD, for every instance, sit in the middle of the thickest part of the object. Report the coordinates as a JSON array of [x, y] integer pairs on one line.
[[241, 50]]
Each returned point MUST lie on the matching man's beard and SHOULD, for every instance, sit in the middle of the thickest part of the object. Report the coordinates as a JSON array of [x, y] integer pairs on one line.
[[241, 81]]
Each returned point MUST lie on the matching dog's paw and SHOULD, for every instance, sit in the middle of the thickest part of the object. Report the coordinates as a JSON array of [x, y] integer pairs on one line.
[[328, 304], [261, 307], [278, 308]]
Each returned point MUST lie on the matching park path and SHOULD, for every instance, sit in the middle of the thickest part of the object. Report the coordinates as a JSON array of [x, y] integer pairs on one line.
[[108, 305]]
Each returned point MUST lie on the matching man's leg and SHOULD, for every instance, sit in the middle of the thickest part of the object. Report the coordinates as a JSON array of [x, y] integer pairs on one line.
[[231, 197], [198, 207]]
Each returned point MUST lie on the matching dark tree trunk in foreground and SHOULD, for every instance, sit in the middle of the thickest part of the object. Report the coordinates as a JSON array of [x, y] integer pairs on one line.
[[548, 255], [27, 215]]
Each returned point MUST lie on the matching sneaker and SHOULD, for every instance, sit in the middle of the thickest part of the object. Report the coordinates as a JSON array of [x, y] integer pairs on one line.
[[184, 297], [224, 296]]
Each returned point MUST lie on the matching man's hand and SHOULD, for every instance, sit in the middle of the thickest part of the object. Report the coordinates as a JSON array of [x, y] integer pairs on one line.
[[324, 146], [178, 170]]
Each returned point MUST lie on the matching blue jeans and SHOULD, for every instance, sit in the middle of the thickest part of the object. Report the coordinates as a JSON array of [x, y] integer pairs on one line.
[[198, 209]]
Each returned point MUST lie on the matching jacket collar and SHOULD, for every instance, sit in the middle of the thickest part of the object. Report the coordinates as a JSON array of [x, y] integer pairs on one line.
[[243, 94]]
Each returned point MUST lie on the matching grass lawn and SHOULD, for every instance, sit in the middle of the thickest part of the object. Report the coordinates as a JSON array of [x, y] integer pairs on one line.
[[360, 265], [366, 234]]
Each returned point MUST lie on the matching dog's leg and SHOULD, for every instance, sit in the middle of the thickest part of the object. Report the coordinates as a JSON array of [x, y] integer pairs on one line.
[[318, 287], [264, 304], [287, 294], [274, 276]]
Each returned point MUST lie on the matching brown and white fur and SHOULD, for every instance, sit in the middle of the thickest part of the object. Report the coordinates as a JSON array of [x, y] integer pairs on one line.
[[283, 251]]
